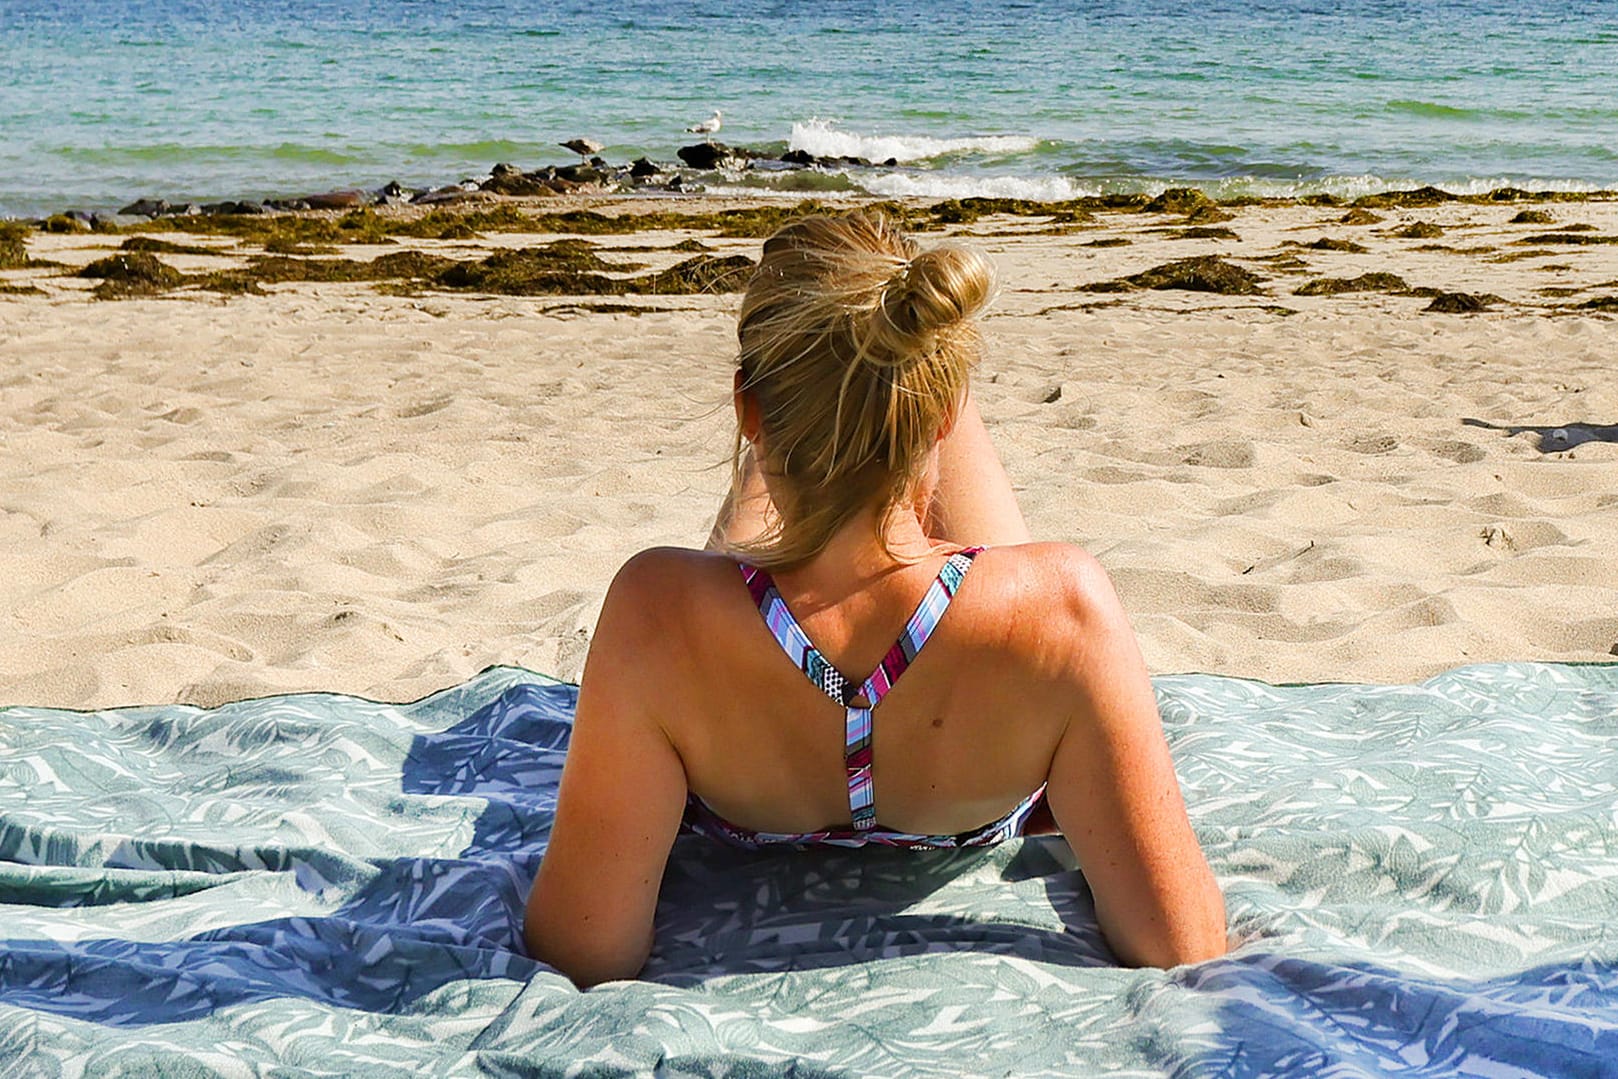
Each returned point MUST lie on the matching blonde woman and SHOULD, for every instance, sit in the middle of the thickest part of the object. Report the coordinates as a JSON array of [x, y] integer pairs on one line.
[[870, 531]]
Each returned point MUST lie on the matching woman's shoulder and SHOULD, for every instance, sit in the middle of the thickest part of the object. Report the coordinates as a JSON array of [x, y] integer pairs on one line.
[[1056, 599]]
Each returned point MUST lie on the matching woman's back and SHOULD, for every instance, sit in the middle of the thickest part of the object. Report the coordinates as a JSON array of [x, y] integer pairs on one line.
[[964, 735], [845, 663]]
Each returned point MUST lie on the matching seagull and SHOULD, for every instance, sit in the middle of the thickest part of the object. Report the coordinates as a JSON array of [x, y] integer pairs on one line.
[[709, 127], [583, 147]]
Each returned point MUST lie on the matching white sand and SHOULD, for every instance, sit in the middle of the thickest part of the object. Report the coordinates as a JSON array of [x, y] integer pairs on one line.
[[330, 489]]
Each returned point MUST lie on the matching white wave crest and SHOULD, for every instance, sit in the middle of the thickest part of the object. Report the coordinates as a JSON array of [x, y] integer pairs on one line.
[[821, 138], [944, 186]]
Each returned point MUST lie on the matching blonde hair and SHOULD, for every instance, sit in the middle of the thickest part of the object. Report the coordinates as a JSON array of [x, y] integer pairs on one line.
[[857, 347]]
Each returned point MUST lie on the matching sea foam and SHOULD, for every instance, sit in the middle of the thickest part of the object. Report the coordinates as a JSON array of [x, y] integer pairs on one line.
[[823, 139]]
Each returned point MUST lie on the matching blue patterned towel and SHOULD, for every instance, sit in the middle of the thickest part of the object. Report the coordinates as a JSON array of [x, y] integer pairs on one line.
[[1424, 880]]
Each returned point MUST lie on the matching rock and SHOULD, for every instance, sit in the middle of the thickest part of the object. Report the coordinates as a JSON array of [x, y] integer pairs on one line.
[[582, 174], [1178, 200], [643, 168], [103, 223], [707, 156], [335, 200], [503, 169], [517, 183], [1461, 303], [233, 208], [1533, 217], [147, 208], [891, 163], [798, 157]]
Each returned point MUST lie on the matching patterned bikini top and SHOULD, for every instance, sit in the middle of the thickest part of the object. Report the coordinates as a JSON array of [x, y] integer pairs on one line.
[[701, 818]]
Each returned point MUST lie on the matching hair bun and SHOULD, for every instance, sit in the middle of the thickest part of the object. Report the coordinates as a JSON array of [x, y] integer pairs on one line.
[[931, 295]]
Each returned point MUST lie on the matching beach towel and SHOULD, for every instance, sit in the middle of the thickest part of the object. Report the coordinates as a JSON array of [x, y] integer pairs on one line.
[[1422, 880]]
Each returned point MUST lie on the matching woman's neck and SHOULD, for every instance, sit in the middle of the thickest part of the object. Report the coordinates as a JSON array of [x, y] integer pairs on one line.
[[868, 546]]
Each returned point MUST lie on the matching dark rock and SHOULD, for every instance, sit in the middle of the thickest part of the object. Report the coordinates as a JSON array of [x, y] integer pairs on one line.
[[642, 168], [1365, 282], [103, 223], [336, 200], [288, 205], [582, 174], [1206, 273], [1533, 217], [1179, 200], [1461, 303], [190, 209], [147, 208], [707, 156], [518, 183], [503, 169], [1358, 216], [891, 163], [240, 208], [798, 157]]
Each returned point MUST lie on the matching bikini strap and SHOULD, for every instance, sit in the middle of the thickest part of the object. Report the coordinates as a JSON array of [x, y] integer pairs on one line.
[[857, 719]]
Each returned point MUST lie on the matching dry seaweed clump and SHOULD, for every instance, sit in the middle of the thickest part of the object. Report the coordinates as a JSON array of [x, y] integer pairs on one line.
[[540, 272], [1206, 273], [280, 269], [1462, 303], [1365, 282], [164, 247], [1419, 230], [1532, 217], [132, 273], [1326, 243], [13, 245], [1359, 216]]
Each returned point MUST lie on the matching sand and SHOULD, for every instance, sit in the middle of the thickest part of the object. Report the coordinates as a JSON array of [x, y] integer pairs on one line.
[[329, 488]]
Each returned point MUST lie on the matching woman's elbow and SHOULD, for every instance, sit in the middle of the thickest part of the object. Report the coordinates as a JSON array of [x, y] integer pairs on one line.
[[1174, 939], [585, 962]]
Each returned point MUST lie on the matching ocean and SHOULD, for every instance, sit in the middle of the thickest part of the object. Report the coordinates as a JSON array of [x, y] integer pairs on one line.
[[103, 101]]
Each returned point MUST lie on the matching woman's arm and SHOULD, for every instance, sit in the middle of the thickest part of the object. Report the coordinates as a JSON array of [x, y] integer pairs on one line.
[[621, 799], [1115, 796]]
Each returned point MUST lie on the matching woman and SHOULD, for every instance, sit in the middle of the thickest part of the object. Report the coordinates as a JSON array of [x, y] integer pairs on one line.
[[867, 503]]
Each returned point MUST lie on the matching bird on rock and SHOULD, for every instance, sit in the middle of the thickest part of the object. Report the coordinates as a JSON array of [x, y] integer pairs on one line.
[[709, 127], [583, 147]]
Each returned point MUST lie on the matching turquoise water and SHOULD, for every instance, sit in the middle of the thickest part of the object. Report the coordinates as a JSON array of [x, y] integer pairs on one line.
[[106, 100]]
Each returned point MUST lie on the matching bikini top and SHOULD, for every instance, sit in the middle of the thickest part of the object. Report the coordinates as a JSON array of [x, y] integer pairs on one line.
[[703, 820]]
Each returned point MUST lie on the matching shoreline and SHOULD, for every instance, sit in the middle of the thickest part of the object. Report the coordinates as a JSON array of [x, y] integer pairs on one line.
[[283, 470]]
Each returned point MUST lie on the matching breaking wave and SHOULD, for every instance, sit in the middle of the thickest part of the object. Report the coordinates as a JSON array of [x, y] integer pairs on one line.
[[823, 139]]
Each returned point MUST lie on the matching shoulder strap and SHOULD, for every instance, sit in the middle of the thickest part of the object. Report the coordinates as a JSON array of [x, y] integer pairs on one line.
[[857, 719]]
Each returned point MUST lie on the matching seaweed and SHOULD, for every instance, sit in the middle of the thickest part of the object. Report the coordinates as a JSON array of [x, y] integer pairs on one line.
[[279, 269], [1421, 196], [1326, 243], [13, 245], [1566, 237], [133, 273], [9, 289], [285, 245], [1419, 230], [1206, 273], [1600, 303], [530, 272], [1208, 214], [164, 247], [1462, 303], [63, 223], [1365, 282], [1203, 232], [1359, 216], [1178, 200], [1532, 217]]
